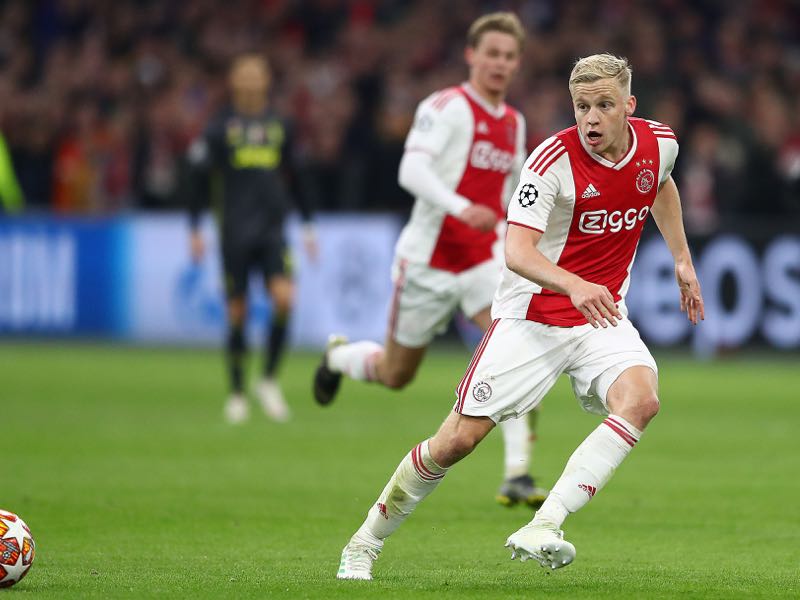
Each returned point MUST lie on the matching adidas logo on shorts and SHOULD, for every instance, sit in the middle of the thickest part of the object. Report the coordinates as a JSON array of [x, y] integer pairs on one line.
[[590, 192]]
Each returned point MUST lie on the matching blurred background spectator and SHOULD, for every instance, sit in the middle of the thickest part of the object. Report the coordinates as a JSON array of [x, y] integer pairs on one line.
[[99, 100]]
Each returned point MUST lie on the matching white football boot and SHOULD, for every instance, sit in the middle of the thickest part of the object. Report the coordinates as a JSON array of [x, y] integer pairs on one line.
[[545, 544], [357, 559], [236, 409], [272, 401]]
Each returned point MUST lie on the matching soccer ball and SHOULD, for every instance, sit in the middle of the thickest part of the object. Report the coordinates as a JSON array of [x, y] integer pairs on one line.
[[16, 549]]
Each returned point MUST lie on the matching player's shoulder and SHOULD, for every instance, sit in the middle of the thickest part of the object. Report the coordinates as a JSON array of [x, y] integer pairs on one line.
[[445, 101], [550, 152], [659, 130]]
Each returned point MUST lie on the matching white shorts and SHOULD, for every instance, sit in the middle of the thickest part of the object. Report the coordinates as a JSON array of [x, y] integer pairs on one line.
[[425, 298], [518, 361]]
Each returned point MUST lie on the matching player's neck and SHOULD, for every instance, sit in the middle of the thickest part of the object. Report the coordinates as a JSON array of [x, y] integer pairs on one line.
[[495, 99], [616, 152]]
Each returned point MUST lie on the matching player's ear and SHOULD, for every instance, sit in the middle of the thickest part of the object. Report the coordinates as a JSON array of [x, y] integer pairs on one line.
[[469, 52], [630, 106]]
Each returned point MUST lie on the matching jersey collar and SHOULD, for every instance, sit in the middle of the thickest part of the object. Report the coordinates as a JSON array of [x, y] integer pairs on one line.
[[497, 112], [604, 161]]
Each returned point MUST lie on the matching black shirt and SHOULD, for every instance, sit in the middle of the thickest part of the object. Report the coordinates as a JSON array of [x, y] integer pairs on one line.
[[248, 160]]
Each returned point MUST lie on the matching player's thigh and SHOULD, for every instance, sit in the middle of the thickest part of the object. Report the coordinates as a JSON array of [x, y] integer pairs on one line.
[[514, 366], [477, 287], [236, 258], [423, 303], [601, 357], [281, 291], [276, 268]]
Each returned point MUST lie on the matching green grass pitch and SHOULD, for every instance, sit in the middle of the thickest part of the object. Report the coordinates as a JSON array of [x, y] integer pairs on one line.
[[133, 486]]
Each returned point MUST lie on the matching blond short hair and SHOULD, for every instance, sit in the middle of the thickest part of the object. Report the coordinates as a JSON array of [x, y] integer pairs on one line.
[[601, 66], [504, 22]]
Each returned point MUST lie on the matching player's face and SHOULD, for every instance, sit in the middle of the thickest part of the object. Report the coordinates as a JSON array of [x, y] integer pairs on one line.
[[249, 83], [493, 62], [602, 109]]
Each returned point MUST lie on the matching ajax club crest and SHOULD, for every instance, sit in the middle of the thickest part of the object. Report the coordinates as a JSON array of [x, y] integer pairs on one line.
[[482, 391], [645, 179]]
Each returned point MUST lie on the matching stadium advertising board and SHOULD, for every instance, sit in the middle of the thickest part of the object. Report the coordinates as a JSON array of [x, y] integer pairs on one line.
[[132, 279]]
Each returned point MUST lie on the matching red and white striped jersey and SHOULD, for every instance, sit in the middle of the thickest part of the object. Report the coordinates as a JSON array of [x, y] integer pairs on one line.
[[591, 213], [477, 150]]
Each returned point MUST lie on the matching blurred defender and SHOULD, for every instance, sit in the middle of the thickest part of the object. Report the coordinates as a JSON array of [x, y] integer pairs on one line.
[[575, 220], [464, 148], [247, 147]]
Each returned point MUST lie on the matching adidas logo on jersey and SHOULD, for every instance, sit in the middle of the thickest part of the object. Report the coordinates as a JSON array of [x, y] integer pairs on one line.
[[590, 192], [483, 127]]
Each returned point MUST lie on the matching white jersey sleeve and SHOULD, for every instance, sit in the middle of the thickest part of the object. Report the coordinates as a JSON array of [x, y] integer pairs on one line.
[[535, 195], [431, 130], [667, 149], [436, 132]]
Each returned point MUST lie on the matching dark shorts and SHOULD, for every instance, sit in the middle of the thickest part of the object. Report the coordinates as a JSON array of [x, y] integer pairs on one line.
[[269, 256]]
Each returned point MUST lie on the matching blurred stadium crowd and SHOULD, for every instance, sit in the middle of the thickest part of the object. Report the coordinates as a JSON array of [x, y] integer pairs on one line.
[[99, 100]]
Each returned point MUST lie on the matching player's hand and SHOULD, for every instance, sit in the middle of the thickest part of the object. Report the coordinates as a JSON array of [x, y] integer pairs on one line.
[[310, 243], [596, 303], [479, 217], [691, 296], [197, 246]]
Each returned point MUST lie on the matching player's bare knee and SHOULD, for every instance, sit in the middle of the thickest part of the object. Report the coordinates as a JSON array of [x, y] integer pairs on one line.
[[648, 406]]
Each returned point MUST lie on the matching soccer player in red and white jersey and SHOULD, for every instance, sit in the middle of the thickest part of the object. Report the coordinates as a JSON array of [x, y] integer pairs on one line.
[[461, 160], [575, 220]]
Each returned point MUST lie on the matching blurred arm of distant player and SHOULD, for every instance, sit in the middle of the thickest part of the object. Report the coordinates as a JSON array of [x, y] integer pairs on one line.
[[197, 189], [667, 213], [428, 138], [419, 179]]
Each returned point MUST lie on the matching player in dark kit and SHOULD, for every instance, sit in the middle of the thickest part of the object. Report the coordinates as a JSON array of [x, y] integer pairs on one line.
[[245, 150]]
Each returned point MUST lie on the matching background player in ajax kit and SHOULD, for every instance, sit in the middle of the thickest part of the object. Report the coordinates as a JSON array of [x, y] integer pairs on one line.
[[575, 220], [465, 147]]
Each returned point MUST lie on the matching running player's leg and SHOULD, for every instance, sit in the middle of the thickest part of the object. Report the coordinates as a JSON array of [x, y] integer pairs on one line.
[[417, 475], [613, 374], [518, 434], [518, 382], [423, 302]]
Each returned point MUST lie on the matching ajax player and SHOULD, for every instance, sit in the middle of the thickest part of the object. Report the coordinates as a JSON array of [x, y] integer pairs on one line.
[[575, 220], [464, 148]]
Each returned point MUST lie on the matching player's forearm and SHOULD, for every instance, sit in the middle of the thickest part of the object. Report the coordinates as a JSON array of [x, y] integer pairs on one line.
[[418, 178], [669, 219], [525, 259]]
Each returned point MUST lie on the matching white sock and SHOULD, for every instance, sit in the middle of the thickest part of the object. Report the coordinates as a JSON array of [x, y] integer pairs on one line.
[[415, 477], [588, 469], [356, 360], [517, 441]]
